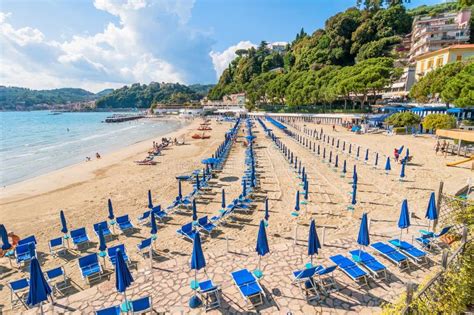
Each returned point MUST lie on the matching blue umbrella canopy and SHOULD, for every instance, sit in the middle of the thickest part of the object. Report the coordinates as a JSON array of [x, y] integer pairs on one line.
[[223, 199], [195, 216], [102, 242], [262, 241], [387, 164], [111, 209], [197, 257], [123, 277], [404, 220], [306, 189], [344, 167], [358, 151], [39, 287], [297, 204], [210, 161], [244, 188], [400, 150], [150, 201], [267, 213], [336, 163], [64, 229], [402, 172], [313, 240], [4, 236], [431, 212], [154, 228], [363, 238], [407, 154], [366, 154]]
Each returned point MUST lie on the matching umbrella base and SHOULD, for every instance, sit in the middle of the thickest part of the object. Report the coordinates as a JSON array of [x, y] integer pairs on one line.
[[258, 273], [195, 302]]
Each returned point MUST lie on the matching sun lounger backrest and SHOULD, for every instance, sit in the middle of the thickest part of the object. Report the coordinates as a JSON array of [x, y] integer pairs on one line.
[[443, 231], [19, 284], [327, 270], [102, 225], [306, 273], [187, 227], [145, 243], [22, 249], [54, 273], [202, 221], [112, 251], [27, 240], [56, 242], [123, 219], [88, 260], [78, 232], [142, 304]]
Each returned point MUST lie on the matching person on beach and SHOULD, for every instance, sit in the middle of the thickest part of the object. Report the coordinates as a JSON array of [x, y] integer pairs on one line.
[[88, 158], [97, 155], [395, 154], [437, 147], [333, 127]]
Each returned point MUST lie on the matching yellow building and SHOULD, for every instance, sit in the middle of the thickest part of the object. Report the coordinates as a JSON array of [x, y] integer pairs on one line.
[[435, 59]]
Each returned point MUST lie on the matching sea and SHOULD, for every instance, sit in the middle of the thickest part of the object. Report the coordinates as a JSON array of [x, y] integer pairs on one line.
[[38, 142]]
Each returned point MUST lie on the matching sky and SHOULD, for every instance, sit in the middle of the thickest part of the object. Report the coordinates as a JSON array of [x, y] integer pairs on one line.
[[98, 44]]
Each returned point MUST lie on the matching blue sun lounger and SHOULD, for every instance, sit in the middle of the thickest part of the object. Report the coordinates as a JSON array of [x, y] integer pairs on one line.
[[124, 223], [411, 251], [79, 237], [350, 269], [249, 287], [143, 248], [187, 231], [304, 279], [58, 280], [144, 218], [210, 293], [141, 305], [24, 253], [27, 240], [112, 253], [56, 246], [430, 240], [105, 229], [113, 310], [206, 225], [376, 269], [391, 254], [90, 267], [326, 279], [19, 291]]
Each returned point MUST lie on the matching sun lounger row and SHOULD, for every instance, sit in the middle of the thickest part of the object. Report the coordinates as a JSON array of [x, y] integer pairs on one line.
[[138, 306]]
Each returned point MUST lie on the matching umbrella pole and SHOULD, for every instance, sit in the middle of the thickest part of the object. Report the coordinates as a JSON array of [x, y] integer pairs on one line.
[[41, 308], [126, 302]]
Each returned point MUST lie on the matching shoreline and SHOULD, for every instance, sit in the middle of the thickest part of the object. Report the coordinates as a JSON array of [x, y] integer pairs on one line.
[[80, 172]]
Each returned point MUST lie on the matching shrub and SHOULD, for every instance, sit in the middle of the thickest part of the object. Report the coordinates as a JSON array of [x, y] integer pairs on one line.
[[439, 121], [403, 119], [399, 130]]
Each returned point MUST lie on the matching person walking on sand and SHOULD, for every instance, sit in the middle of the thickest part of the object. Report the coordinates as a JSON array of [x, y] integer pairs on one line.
[[396, 155], [334, 128], [97, 155], [437, 147]]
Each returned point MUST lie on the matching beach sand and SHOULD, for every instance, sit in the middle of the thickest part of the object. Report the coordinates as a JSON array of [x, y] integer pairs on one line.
[[82, 190]]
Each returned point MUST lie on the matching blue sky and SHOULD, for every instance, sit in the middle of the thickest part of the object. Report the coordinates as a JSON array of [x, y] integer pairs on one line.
[[97, 44]]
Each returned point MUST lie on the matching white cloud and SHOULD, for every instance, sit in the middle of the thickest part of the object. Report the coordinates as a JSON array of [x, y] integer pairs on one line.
[[221, 60], [151, 42]]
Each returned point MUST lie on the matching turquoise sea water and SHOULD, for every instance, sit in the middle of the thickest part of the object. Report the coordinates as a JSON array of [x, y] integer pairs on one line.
[[35, 143]]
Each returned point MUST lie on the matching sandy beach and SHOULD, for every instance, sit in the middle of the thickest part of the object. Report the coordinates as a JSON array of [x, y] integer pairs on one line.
[[32, 207]]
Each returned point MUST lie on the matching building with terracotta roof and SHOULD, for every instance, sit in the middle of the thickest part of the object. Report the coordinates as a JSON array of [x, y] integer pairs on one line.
[[435, 59]]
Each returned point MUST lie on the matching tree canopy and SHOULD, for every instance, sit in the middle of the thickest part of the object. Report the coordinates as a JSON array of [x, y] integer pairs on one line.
[[439, 121], [403, 119]]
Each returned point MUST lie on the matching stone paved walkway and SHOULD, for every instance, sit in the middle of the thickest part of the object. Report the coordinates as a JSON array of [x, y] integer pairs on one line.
[[169, 284]]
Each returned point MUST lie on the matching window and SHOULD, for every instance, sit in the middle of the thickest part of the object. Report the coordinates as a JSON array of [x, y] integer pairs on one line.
[[439, 62], [458, 57], [430, 64]]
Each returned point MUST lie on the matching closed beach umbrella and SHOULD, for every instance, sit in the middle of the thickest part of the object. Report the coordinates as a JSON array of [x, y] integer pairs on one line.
[[330, 157], [344, 167], [4, 236], [39, 288], [267, 212], [262, 245], [64, 229], [408, 154], [111, 210], [102, 242], [154, 228], [387, 165], [402, 172], [344, 146], [337, 146], [195, 216], [336, 162], [400, 150], [350, 148], [197, 182], [223, 199], [404, 220], [366, 155], [244, 188], [324, 152], [376, 159], [180, 192], [150, 201], [197, 262], [318, 149], [358, 151], [306, 190], [123, 277], [299, 168], [313, 241], [431, 212], [363, 238], [297, 205], [354, 194]]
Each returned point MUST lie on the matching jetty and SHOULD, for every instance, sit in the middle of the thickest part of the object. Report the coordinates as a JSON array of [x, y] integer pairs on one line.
[[122, 118]]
